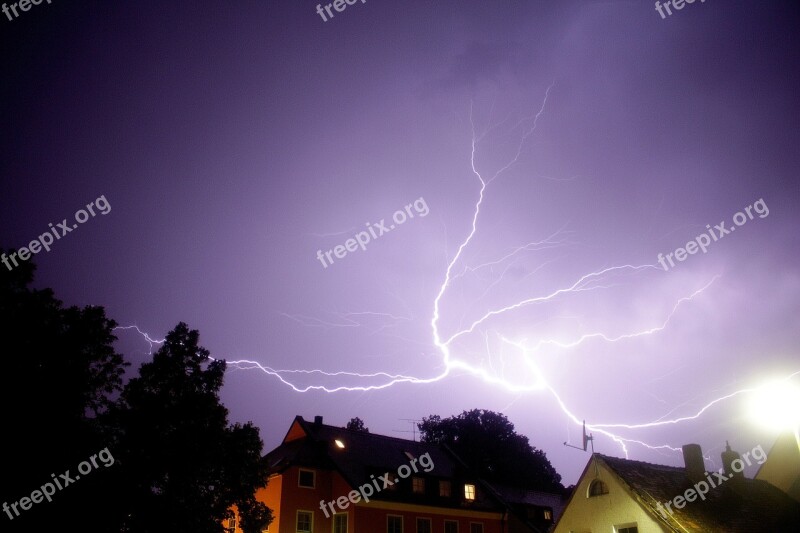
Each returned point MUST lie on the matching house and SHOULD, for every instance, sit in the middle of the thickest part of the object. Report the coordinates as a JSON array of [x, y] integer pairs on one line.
[[624, 496], [782, 468], [327, 479], [529, 510]]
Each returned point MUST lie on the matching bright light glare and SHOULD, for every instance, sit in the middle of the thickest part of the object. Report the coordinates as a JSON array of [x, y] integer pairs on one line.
[[776, 405]]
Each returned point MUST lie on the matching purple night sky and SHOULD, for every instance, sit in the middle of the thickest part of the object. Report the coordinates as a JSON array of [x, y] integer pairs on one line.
[[233, 140]]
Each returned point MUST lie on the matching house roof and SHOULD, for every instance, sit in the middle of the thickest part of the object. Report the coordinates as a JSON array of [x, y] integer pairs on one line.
[[365, 456], [523, 496], [518, 499], [736, 505]]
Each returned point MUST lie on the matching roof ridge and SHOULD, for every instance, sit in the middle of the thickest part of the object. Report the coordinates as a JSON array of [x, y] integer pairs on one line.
[[634, 461], [368, 434]]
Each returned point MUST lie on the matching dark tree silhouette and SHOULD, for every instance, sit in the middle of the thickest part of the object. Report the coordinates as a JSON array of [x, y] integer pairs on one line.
[[60, 375], [171, 462], [356, 424], [487, 441], [183, 466]]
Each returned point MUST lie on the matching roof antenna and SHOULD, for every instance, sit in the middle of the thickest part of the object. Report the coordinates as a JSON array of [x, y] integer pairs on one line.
[[586, 440], [413, 431]]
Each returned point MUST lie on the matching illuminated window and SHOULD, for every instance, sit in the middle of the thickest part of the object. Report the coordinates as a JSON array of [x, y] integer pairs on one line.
[[306, 479], [232, 524], [444, 488], [475, 528], [450, 526], [340, 523], [597, 488], [418, 485], [469, 491], [548, 514], [305, 521], [394, 524]]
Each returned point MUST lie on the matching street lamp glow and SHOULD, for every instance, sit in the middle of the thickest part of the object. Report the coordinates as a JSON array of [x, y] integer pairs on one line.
[[776, 405]]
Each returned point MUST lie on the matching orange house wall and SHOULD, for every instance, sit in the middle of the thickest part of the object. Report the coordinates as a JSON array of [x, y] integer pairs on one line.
[[374, 521], [285, 498]]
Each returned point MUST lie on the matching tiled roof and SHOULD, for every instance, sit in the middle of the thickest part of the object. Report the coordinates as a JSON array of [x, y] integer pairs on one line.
[[366, 455], [737, 505]]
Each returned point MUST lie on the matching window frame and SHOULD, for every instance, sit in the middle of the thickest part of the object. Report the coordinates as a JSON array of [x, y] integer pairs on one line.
[[300, 472], [590, 493], [310, 523], [624, 528], [388, 517], [480, 524], [424, 519], [415, 481], [450, 522], [446, 483], [468, 492], [346, 522]]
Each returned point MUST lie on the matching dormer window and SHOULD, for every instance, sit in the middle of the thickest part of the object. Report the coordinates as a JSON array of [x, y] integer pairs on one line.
[[469, 492], [597, 488]]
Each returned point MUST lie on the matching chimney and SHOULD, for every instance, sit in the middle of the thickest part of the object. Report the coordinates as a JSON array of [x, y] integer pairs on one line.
[[693, 459], [728, 458], [317, 421]]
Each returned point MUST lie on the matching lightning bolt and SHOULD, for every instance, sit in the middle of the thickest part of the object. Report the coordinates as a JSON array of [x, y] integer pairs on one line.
[[150, 341], [444, 343]]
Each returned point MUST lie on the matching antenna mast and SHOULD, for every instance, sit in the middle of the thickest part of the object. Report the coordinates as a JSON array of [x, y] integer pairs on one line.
[[586, 440]]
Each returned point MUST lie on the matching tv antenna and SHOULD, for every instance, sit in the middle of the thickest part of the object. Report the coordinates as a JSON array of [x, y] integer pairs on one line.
[[586, 440], [413, 431]]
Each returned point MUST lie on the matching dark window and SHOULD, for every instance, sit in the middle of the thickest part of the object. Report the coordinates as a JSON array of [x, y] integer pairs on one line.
[[445, 488], [475, 528], [340, 523], [628, 529], [597, 488], [423, 525], [450, 526], [306, 479], [304, 521], [394, 524]]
